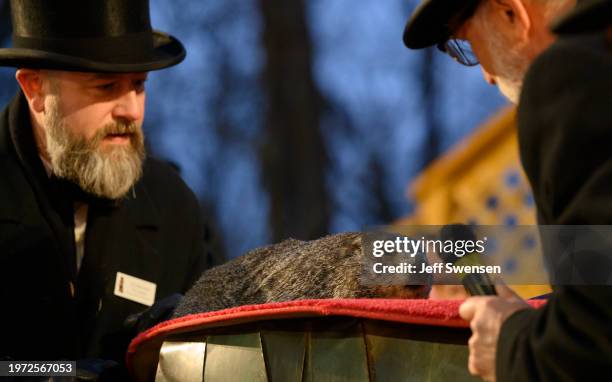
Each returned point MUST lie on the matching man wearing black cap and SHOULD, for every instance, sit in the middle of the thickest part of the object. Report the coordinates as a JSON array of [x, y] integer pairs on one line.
[[503, 36], [91, 232], [564, 122], [564, 130]]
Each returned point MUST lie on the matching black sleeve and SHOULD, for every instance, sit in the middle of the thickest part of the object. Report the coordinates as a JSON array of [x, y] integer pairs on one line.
[[565, 132], [208, 250], [565, 135], [570, 339], [190, 242]]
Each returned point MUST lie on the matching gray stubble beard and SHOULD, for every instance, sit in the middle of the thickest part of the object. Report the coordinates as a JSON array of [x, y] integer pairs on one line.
[[510, 66]]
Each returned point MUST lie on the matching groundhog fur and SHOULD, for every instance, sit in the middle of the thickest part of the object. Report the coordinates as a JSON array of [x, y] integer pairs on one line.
[[329, 267]]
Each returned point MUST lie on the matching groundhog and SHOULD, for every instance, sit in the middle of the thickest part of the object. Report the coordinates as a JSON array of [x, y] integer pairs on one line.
[[330, 267]]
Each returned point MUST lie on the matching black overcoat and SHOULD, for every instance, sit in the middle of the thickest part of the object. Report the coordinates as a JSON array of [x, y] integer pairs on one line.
[[48, 310], [565, 139]]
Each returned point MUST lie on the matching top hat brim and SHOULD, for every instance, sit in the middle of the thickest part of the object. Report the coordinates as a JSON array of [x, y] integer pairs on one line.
[[428, 24], [167, 51], [587, 16]]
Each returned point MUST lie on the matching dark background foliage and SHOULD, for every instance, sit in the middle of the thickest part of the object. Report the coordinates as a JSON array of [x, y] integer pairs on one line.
[[298, 118]]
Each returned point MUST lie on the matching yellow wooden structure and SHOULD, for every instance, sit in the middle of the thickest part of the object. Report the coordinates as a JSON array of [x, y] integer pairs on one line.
[[480, 181]]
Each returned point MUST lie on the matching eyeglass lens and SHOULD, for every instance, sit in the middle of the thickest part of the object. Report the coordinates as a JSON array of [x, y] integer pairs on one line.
[[461, 51]]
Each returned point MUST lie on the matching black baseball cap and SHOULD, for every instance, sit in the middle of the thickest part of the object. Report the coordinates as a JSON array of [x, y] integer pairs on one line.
[[429, 23]]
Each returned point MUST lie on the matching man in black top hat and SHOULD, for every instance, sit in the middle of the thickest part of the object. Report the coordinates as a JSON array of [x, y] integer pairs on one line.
[[564, 127], [91, 232]]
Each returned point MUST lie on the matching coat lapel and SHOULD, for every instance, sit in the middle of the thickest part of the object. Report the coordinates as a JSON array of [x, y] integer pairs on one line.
[[54, 207], [120, 238]]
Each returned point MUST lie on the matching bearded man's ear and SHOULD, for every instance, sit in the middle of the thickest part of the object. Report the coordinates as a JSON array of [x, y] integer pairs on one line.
[[31, 84]]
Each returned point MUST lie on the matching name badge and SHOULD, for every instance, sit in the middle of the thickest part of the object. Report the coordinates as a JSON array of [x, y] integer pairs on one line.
[[135, 289]]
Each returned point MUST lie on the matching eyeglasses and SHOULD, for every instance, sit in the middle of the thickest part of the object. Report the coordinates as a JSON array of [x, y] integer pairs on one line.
[[461, 50]]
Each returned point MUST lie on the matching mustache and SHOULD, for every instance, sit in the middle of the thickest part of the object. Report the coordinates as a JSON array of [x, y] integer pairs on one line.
[[116, 128]]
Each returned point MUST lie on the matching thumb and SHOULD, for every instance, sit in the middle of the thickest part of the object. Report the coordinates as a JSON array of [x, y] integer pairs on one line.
[[468, 308]]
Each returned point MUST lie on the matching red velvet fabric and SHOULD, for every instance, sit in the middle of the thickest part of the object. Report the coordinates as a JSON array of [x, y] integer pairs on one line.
[[423, 312]]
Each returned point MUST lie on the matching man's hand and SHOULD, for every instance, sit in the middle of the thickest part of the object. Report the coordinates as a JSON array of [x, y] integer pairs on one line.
[[486, 315]]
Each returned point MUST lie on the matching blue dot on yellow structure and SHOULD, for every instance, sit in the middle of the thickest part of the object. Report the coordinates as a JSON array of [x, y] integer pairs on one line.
[[528, 200], [492, 202], [510, 265], [491, 246], [510, 220], [529, 242], [513, 179]]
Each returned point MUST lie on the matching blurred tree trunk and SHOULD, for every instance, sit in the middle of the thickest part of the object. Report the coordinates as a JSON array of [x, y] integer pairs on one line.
[[430, 107], [293, 156]]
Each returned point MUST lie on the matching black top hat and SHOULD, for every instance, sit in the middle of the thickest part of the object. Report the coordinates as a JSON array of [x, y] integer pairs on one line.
[[588, 16], [88, 35], [429, 23]]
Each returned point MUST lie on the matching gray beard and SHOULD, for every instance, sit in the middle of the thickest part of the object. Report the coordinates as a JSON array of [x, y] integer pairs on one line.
[[510, 89], [108, 173], [509, 66]]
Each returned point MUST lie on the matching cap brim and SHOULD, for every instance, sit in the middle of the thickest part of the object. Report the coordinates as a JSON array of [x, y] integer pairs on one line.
[[588, 16], [428, 24], [167, 51]]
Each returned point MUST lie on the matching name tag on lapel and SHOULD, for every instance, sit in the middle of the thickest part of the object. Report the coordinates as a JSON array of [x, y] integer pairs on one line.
[[135, 289]]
